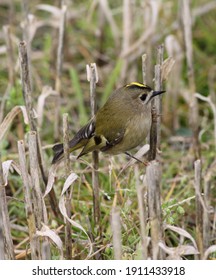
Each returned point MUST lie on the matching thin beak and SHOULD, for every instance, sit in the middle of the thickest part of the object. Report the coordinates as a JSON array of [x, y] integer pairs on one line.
[[155, 93]]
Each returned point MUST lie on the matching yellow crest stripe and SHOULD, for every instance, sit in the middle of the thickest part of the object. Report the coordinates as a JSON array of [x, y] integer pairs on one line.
[[137, 84]]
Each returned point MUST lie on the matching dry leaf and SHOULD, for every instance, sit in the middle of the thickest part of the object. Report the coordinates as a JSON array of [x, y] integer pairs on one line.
[[6, 165], [210, 250], [69, 181], [51, 179], [177, 252], [182, 232], [5, 125], [47, 232]]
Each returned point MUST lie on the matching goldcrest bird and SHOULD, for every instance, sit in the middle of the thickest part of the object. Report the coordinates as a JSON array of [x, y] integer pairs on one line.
[[119, 126]]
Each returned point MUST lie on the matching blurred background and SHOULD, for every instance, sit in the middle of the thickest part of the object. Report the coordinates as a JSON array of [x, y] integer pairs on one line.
[[62, 38]]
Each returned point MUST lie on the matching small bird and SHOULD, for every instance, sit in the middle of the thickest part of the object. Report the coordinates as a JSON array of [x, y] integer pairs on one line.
[[119, 126]]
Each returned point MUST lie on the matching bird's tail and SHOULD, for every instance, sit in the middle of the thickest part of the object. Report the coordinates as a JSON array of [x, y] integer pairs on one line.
[[58, 153]]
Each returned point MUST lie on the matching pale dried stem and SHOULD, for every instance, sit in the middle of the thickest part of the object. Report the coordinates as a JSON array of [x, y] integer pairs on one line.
[[38, 201], [26, 85], [26, 33], [5, 221], [154, 208], [156, 109], [143, 217], [35, 179], [206, 218], [59, 64], [68, 229], [116, 230], [93, 79], [158, 86], [199, 208], [60, 53], [30, 214]]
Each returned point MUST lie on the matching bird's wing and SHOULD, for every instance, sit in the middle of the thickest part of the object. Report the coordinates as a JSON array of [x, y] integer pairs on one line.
[[85, 133], [79, 140], [115, 141], [100, 142]]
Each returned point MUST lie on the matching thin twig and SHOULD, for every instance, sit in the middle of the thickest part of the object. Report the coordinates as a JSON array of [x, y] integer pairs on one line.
[[59, 64], [92, 77], [68, 229], [158, 86], [199, 208], [206, 218]]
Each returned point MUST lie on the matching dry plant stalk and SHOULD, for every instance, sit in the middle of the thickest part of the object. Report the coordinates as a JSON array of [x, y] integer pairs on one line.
[[68, 229], [142, 205], [5, 221], [92, 77], [38, 200], [26, 85], [155, 132], [206, 219], [194, 116], [154, 208], [199, 207], [30, 214], [116, 230], [59, 64], [27, 96]]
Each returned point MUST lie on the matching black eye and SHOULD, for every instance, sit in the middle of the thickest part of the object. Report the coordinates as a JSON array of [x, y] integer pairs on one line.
[[143, 97]]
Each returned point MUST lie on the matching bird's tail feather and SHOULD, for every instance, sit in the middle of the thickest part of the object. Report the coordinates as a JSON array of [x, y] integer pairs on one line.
[[58, 153]]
